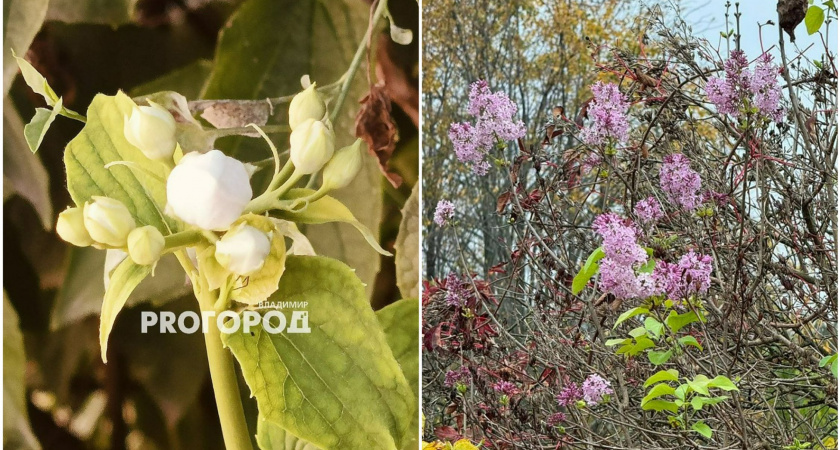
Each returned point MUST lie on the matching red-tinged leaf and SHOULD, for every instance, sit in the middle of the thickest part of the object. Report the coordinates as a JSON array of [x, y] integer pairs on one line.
[[431, 339], [447, 433], [502, 202]]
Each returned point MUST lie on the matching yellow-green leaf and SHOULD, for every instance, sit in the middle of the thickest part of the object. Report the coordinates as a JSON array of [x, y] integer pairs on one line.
[[407, 246], [338, 387], [125, 278]]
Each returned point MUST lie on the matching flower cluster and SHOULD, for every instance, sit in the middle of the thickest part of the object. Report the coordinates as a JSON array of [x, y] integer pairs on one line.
[[622, 257], [680, 182], [459, 376], [594, 389], [506, 388], [444, 211], [607, 114], [648, 210], [741, 90], [692, 274], [456, 293], [570, 394], [556, 419], [494, 123]]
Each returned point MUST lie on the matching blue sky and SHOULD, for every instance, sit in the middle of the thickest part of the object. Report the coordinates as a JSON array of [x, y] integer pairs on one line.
[[708, 21]]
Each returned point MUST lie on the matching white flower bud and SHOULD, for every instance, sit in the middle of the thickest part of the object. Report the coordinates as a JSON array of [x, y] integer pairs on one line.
[[208, 190], [312, 145], [344, 166], [152, 130], [71, 227], [243, 250], [145, 245], [306, 105], [108, 221]]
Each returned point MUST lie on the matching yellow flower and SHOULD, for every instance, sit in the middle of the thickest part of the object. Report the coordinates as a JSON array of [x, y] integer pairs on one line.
[[464, 444]]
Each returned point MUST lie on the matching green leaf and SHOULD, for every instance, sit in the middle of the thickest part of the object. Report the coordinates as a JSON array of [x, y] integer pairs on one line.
[[700, 384], [81, 292], [254, 61], [628, 314], [662, 375], [677, 322], [339, 386], [830, 359], [125, 278], [21, 21], [702, 428], [400, 323], [407, 246], [35, 80], [614, 342], [23, 172], [142, 188], [698, 402], [658, 358], [271, 436], [722, 382], [648, 267], [654, 327], [638, 332], [642, 343], [325, 210], [690, 340], [682, 391], [658, 391], [589, 269], [814, 19], [660, 405], [17, 432], [37, 128]]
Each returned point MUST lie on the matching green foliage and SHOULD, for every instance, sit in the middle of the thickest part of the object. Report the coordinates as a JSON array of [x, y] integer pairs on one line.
[[123, 280], [589, 269], [140, 186], [830, 359], [338, 387], [16, 430], [814, 18]]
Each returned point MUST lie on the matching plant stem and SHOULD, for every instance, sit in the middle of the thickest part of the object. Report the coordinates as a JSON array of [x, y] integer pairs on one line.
[[225, 383], [347, 78], [182, 239], [222, 370]]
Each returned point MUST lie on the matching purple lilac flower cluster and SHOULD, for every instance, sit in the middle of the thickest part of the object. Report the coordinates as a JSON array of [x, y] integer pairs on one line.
[[622, 257], [680, 182], [592, 391], [494, 122], [648, 210], [462, 376], [456, 293], [692, 274], [607, 114], [570, 394], [740, 87], [506, 388], [556, 419], [444, 211]]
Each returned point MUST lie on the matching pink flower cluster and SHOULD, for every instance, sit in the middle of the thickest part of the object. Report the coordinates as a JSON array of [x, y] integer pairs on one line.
[[444, 211], [592, 391], [648, 210], [692, 274], [494, 122], [741, 88], [622, 257], [680, 182], [456, 293], [607, 114], [556, 419], [459, 376], [506, 388]]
